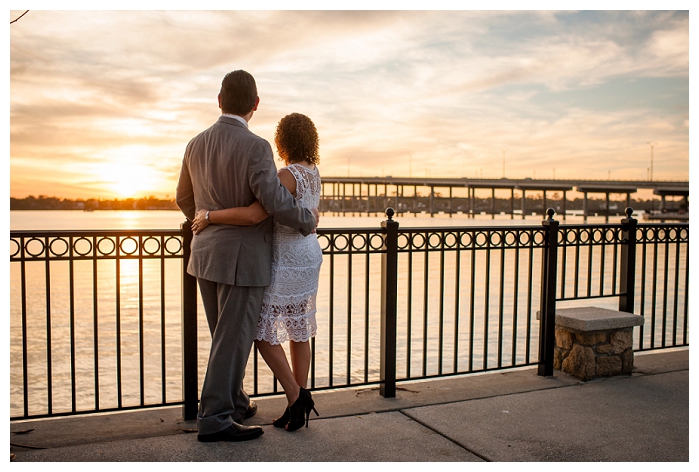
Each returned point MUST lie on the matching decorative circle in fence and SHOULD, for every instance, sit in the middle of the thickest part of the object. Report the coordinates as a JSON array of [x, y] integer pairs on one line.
[[359, 242], [55, 251], [169, 242], [583, 236], [597, 235], [14, 252], [376, 241], [539, 238], [31, 247], [451, 240], [571, 236], [101, 250], [324, 242], [434, 240], [131, 244], [481, 238], [510, 238], [78, 246], [524, 238], [418, 241], [150, 246], [466, 239], [612, 235], [340, 243]]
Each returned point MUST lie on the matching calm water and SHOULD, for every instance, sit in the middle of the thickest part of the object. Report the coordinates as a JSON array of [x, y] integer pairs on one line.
[[344, 313], [59, 220]]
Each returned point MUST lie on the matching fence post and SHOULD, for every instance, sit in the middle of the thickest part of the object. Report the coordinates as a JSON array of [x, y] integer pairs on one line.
[[627, 279], [547, 319], [389, 298], [190, 380]]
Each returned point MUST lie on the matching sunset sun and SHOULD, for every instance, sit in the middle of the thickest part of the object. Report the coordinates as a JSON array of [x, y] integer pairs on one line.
[[129, 176]]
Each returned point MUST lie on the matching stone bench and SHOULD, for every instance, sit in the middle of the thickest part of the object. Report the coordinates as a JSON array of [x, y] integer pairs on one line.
[[594, 342]]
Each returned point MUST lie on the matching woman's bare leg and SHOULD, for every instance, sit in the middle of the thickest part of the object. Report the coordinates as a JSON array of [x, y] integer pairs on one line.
[[274, 356], [300, 361]]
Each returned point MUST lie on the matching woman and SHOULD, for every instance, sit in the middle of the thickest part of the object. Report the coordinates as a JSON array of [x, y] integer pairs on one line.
[[289, 303]]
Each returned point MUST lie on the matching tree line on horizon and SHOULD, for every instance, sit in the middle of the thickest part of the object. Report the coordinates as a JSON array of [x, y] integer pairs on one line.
[[43, 202]]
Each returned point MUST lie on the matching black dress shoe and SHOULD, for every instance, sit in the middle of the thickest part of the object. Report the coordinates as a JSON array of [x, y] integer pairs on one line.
[[234, 433], [250, 412]]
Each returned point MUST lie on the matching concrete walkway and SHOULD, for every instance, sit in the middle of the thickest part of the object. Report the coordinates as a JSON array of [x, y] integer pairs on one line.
[[506, 416]]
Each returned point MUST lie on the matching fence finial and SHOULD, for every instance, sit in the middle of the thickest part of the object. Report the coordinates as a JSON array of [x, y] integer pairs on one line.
[[390, 212], [550, 212]]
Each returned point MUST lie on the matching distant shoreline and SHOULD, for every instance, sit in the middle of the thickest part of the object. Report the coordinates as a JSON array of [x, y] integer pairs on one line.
[[91, 204], [98, 209]]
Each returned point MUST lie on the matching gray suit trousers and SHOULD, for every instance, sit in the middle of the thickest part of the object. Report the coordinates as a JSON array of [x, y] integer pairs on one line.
[[232, 313]]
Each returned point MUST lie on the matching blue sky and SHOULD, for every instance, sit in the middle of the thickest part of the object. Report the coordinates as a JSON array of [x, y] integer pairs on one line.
[[109, 99]]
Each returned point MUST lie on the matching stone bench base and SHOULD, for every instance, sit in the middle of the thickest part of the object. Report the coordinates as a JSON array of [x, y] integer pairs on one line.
[[594, 354], [594, 342]]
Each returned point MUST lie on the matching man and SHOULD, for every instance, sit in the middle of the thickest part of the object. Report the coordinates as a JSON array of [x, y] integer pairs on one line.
[[228, 166]]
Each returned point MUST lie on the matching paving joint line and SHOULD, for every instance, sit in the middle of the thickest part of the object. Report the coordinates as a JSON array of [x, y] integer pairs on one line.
[[454, 441]]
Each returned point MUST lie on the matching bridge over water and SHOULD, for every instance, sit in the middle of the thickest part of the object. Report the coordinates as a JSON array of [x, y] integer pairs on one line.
[[374, 194]]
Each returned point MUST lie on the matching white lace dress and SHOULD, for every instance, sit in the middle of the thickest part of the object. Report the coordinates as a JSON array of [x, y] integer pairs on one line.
[[289, 303]]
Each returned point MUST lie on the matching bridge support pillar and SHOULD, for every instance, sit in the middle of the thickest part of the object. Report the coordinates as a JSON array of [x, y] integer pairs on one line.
[[451, 195], [471, 198], [415, 199], [492, 203], [398, 195], [368, 192]]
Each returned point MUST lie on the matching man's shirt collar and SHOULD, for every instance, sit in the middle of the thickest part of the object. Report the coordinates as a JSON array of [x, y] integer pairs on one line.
[[239, 118]]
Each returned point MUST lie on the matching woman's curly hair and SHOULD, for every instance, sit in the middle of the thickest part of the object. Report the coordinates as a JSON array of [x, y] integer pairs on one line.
[[297, 139]]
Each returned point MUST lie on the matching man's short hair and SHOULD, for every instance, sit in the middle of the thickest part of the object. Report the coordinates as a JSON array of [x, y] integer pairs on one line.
[[238, 93]]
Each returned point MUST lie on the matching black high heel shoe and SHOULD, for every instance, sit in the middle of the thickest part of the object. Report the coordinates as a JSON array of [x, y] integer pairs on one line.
[[301, 408], [283, 420]]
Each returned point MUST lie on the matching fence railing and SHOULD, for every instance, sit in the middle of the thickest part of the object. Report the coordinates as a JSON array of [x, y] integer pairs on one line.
[[92, 320], [107, 320]]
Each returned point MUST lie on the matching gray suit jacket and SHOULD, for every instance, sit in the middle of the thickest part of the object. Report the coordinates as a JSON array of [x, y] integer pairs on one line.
[[228, 166]]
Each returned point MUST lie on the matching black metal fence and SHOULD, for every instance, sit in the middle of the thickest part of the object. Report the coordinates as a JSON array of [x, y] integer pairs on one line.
[[91, 320], [107, 320]]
